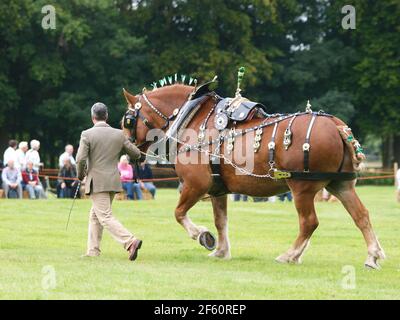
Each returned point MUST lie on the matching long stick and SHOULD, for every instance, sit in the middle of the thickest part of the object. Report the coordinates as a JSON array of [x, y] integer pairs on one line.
[[72, 205]]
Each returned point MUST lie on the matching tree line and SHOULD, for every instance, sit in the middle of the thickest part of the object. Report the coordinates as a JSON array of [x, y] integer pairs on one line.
[[293, 50]]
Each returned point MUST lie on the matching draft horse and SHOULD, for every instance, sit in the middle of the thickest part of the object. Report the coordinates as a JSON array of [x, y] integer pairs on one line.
[[331, 161]]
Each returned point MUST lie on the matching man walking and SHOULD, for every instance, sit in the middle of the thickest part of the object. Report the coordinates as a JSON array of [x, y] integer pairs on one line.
[[97, 158]]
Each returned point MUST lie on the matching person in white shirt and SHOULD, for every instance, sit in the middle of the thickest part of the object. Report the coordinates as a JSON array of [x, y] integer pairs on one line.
[[68, 154], [12, 179], [9, 154], [20, 161], [33, 155]]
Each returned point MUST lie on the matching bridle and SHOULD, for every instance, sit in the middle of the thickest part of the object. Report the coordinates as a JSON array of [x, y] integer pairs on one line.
[[133, 114]]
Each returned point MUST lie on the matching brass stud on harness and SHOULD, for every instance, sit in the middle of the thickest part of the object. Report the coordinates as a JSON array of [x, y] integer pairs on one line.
[[201, 136], [231, 140], [271, 145], [306, 147], [257, 139], [287, 138]]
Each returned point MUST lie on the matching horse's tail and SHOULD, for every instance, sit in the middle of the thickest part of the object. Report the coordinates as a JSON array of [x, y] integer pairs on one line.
[[353, 146]]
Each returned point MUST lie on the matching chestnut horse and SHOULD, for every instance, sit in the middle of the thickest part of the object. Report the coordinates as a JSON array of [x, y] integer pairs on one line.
[[328, 154]]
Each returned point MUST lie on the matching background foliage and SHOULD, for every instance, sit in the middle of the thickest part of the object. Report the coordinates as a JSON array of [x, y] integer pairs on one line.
[[293, 51]]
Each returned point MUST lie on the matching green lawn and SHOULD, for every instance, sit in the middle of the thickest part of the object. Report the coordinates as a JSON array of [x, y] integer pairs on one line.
[[33, 241]]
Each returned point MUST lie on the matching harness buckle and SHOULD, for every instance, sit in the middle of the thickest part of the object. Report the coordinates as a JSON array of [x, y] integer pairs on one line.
[[281, 174]]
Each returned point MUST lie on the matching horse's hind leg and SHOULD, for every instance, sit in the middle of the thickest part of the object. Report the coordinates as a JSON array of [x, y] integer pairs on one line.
[[304, 201], [346, 193], [221, 223]]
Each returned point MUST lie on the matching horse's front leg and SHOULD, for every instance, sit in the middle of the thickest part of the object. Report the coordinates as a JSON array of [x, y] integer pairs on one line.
[[190, 195], [223, 249]]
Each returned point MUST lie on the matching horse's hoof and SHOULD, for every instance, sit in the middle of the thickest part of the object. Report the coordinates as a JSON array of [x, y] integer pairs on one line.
[[207, 240], [284, 258], [372, 266], [280, 259], [220, 255], [372, 263]]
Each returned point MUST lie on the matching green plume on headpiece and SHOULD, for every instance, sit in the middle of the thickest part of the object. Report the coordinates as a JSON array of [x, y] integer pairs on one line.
[[239, 80], [241, 74]]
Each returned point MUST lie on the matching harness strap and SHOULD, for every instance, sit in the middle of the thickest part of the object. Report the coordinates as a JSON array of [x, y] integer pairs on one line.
[[218, 187], [145, 121], [306, 145], [154, 108], [271, 145], [314, 176], [344, 155], [160, 114]]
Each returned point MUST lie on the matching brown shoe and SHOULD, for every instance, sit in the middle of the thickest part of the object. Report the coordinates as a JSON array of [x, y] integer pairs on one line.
[[134, 248]]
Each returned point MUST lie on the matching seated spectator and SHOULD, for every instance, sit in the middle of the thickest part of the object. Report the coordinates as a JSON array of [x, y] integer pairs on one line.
[[10, 152], [287, 195], [127, 176], [20, 155], [260, 199], [68, 154], [238, 197], [66, 182], [33, 155], [12, 179], [144, 173], [30, 178]]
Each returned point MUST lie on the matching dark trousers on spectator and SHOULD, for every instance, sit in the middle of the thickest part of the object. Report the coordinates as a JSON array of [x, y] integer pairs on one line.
[[67, 192], [12, 192], [287, 195], [238, 197]]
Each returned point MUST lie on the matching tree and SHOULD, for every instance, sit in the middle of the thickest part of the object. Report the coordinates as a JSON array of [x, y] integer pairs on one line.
[[50, 78], [374, 77]]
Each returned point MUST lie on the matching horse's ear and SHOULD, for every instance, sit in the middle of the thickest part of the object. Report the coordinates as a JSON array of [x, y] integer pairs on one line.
[[130, 99]]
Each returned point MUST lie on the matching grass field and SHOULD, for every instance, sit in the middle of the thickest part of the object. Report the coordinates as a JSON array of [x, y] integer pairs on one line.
[[34, 243]]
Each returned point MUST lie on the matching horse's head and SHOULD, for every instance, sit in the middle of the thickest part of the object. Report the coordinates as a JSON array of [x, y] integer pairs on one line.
[[152, 110]]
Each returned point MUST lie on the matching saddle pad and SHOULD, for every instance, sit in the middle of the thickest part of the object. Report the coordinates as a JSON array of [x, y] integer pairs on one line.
[[241, 111]]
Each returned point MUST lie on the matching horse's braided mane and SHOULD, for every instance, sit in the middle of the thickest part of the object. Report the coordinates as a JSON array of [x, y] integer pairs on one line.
[[174, 79]]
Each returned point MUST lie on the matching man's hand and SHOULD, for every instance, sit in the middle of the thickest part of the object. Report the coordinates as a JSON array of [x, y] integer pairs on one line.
[[132, 151], [32, 183], [63, 185]]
